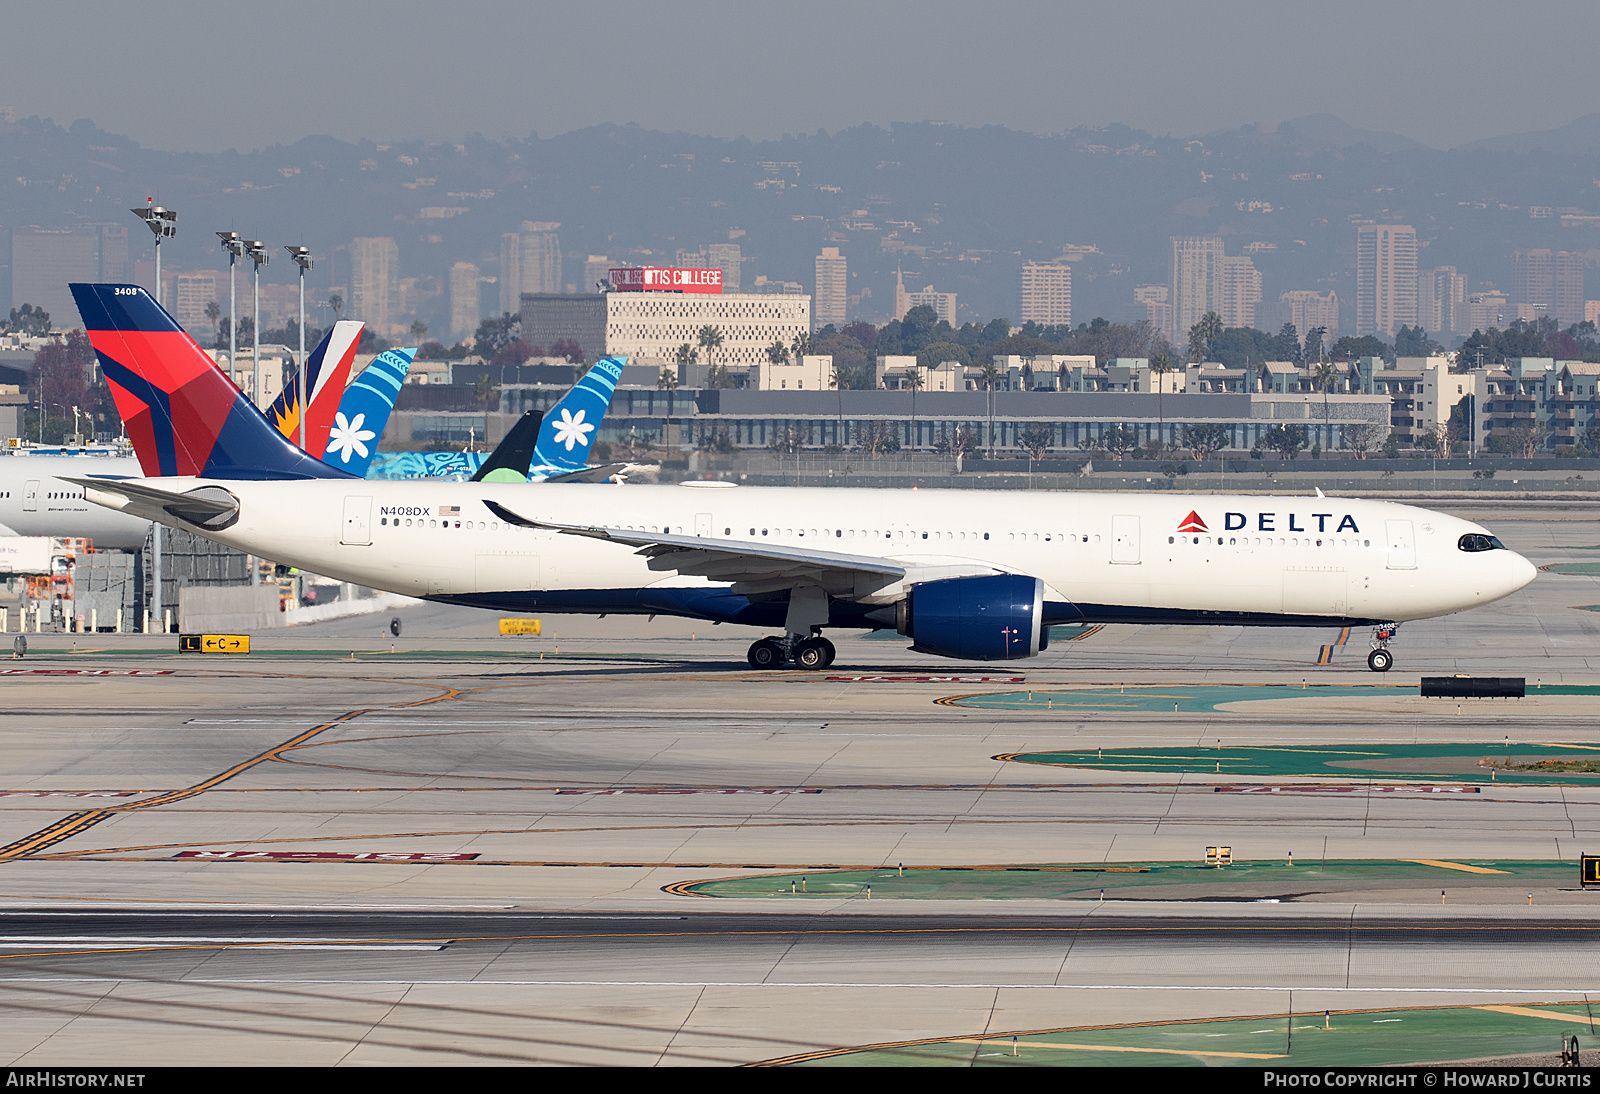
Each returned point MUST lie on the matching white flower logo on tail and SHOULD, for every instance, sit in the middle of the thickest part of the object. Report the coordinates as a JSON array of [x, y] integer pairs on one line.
[[346, 436], [572, 430]]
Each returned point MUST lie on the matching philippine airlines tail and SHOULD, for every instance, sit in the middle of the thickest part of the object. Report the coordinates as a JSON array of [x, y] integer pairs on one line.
[[184, 416], [327, 373]]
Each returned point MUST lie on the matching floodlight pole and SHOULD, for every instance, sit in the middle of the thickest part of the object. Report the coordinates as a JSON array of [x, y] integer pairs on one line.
[[302, 258], [164, 223], [257, 252], [235, 247]]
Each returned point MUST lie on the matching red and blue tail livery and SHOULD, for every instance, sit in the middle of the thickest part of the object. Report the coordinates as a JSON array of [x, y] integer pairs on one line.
[[182, 413]]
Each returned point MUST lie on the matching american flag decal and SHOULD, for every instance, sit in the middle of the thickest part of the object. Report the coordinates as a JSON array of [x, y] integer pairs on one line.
[[449, 510]]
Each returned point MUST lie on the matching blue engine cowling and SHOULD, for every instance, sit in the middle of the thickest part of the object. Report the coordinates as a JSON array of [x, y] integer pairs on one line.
[[993, 618]]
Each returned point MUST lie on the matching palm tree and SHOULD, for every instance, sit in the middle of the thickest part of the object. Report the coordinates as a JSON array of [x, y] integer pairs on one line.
[[1161, 364], [1203, 335], [419, 330], [214, 313], [991, 376], [710, 340], [778, 353], [336, 302], [803, 344], [841, 380], [1325, 371], [914, 382]]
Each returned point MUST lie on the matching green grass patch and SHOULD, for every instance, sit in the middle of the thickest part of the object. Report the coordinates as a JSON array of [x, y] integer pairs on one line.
[[1373, 1038], [1085, 881], [1431, 762], [1582, 569]]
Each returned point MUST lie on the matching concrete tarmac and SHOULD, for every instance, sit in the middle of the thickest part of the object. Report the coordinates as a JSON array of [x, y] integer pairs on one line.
[[184, 827]]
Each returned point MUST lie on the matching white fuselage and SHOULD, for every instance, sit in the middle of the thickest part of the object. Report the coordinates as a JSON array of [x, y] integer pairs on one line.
[[1257, 559], [35, 502]]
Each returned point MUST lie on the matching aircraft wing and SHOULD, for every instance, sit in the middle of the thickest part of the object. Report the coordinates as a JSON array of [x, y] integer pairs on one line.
[[752, 567], [597, 473]]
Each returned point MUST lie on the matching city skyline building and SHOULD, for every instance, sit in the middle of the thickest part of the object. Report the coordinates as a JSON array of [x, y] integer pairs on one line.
[[1386, 278], [942, 303], [1240, 292], [1489, 308], [466, 300], [190, 293], [596, 268], [1308, 309], [832, 298], [374, 274], [1046, 294], [650, 326], [1156, 301], [530, 262], [1442, 301], [1193, 282], [1548, 282], [45, 260]]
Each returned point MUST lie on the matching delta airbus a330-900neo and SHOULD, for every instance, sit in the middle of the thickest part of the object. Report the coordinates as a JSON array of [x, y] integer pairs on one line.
[[965, 574]]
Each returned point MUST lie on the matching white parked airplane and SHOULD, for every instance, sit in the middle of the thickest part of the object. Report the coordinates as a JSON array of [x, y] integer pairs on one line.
[[969, 574], [36, 500]]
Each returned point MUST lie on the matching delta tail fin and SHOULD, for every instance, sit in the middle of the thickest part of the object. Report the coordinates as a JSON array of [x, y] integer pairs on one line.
[[573, 423], [364, 411], [182, 413]]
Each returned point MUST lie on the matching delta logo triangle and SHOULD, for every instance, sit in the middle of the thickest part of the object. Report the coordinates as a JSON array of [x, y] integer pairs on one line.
[[1193, 523]]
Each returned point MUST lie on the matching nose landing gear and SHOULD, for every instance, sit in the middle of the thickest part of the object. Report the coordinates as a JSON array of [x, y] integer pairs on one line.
[[1380, 659]]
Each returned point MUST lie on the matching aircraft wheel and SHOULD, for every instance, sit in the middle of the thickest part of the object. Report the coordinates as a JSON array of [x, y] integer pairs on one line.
[[828, 652], [765, 654], [1380, 660], [812, 654]]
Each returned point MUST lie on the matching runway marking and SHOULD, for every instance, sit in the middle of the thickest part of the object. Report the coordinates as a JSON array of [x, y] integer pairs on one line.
[[927, 679], [1463, 867], [734, 790], [70, 793], [332, 856], [85, 672], [75, 823]]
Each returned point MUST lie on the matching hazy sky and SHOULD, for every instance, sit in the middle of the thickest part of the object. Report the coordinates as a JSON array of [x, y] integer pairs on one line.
[[209, 76]]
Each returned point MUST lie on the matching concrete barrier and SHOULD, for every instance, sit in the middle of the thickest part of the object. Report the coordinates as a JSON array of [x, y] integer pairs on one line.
[[228, 609]]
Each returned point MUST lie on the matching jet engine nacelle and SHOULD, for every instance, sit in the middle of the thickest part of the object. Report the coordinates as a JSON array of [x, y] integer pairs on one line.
[[993, 618]]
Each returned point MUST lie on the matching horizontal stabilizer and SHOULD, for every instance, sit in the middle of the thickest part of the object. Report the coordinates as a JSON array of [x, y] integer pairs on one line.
[[208, 507]]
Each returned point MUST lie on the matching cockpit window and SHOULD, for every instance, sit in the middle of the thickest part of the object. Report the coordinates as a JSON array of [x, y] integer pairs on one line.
[[1472, 541]]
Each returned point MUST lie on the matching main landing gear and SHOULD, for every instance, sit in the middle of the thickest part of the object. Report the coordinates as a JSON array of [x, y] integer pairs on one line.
[[1380, 659], [811, 653]]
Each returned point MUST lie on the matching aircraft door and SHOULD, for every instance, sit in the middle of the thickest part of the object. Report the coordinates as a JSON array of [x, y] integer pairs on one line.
[[1402, 545], [357, 529], [30, 496], [1125, 540], [702, 525]]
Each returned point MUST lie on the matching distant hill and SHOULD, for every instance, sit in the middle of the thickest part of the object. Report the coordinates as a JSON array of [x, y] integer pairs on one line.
[[1317, 132], [1581, 136], [960, 208]]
